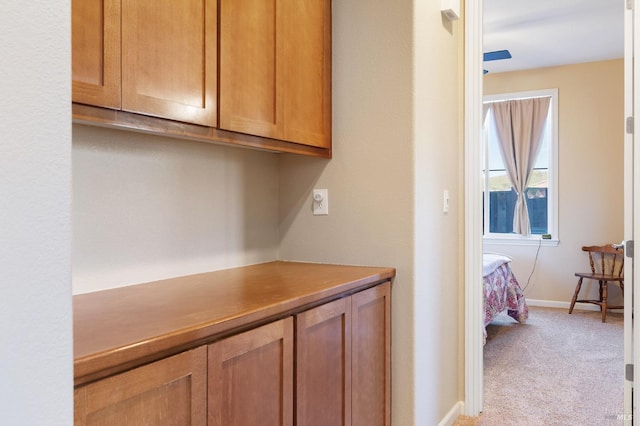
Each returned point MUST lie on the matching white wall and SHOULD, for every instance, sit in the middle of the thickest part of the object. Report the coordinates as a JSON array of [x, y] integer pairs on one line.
[[591, 154], [396, 148], [35, 188], [147, 207]]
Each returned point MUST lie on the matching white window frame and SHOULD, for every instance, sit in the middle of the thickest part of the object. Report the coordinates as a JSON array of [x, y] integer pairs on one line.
[[552, 190]]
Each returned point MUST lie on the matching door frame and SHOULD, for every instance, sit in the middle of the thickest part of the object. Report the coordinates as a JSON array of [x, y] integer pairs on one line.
[[473, 321], [631, 203]]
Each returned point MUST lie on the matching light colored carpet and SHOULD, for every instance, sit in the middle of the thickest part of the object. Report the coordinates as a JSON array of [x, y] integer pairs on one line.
[[557, 369]]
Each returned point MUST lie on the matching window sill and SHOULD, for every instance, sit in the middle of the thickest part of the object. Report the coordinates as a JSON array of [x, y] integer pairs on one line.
[[518, 240]]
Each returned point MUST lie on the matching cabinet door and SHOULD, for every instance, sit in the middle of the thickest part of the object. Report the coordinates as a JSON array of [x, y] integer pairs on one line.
[[172, 391], [307, 72], [323, 365], [251, 377], [95, 27], [250, 72], [169, 59], [371, 356], [275, 69]]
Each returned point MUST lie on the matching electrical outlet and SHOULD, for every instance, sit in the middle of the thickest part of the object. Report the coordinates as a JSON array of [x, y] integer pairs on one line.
[[320, 202]]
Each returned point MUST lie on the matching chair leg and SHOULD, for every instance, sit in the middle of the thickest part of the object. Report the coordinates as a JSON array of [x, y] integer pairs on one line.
[[575, 295], [600, 289], [604, 293]]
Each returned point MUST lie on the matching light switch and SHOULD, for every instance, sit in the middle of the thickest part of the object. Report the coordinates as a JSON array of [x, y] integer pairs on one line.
[[445, 201]]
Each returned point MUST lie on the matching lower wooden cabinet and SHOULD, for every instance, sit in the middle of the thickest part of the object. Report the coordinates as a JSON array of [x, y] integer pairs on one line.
[[371, 356], [323, 364], [172, 391], [343, 361], [329, 365], [251, 377]]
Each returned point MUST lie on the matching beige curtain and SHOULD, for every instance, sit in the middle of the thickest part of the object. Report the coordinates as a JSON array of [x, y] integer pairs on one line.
[[519, 124]]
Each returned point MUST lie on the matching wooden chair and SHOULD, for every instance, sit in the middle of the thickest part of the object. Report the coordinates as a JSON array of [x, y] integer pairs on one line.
[[607, 267]]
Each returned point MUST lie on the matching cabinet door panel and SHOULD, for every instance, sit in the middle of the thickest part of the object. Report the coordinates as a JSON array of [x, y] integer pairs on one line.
[[172, 391], [371, 356], [169, 59], [307, 72], [251, 377], [323, 369], [250, 72], [95, 65]]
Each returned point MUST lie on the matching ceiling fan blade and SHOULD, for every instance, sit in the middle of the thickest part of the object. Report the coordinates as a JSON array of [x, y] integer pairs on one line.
[[496, 55]]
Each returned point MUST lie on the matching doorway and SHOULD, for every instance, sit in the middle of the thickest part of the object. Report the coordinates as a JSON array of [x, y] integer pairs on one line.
[[473, 190]]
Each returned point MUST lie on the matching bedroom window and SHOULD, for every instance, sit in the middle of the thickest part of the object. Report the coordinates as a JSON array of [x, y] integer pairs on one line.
[[521, 127]]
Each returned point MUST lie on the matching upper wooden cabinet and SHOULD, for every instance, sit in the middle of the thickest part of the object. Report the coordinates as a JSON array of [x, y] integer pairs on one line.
[[169, 59], [165, 49], [275, 69], [153, 67], [95, 64]]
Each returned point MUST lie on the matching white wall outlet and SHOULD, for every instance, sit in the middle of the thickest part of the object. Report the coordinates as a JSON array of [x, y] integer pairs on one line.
[[320, 202]]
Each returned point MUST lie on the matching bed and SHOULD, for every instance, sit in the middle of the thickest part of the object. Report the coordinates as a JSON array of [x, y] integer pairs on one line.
[[501, 290]]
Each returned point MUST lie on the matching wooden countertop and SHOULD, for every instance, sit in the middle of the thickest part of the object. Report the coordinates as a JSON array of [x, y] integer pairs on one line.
[[118, 329]]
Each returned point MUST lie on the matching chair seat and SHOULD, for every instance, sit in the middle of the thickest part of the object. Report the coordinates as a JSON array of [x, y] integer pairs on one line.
[[599, 277]]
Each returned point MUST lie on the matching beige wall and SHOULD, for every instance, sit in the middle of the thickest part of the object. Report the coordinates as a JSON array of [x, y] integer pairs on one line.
[[396, 146], [147, 207], [591, 154]]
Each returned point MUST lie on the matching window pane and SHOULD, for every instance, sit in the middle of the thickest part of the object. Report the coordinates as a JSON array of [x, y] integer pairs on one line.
[[502, 197], [537, 201], [502, 205], [502, 201]]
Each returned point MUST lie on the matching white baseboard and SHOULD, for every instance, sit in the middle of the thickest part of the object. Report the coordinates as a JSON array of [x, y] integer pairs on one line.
[[562, 305], [452, 415]]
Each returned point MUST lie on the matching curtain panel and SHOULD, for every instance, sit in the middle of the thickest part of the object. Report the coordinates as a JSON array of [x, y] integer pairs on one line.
[[519, 125]]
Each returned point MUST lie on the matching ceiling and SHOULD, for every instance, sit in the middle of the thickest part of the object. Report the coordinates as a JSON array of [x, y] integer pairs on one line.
[[543, 33]]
